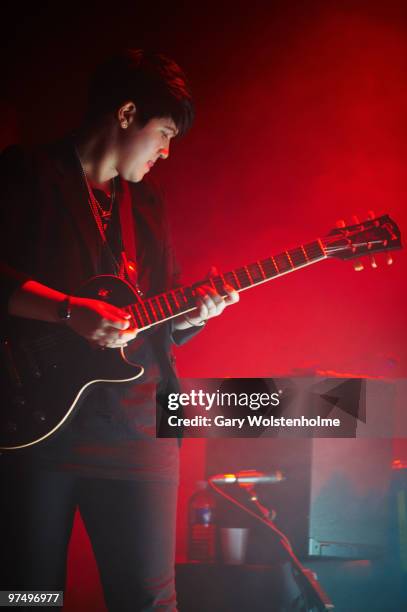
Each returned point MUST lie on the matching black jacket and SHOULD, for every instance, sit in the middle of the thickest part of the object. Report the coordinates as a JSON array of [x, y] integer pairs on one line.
[[49, 234]]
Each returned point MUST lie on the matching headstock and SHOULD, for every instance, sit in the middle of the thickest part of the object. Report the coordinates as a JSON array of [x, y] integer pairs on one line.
[[366, 238]]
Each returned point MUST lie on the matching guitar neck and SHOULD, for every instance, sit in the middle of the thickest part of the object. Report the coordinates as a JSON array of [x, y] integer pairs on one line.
[[181, 300]]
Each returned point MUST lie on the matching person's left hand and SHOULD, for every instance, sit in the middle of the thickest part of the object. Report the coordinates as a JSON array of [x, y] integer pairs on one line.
[[210, 303]]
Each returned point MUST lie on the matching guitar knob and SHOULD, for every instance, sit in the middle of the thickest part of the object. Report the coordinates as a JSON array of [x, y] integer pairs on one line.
[[389, 259], [373, 261], [19, 400], [358, 266], [39, 416], [355, 219], [340, 223], [370, 215]]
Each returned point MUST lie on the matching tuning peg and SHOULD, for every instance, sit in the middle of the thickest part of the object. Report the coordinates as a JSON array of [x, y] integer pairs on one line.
[[340, 223], [371, 215], [389, 259], [373, 261], [358, 266]]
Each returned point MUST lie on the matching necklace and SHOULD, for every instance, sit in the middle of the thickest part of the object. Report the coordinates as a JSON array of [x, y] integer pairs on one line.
[[106, 214], [101, 215]]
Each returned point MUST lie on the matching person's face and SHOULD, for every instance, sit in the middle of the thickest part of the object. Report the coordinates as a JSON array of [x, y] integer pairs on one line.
[[140, 147]]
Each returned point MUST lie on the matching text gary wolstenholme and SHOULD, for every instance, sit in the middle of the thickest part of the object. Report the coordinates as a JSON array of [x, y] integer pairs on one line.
[[251, 421]]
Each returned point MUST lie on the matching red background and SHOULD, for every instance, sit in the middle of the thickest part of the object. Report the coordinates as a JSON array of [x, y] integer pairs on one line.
[[301, 121]]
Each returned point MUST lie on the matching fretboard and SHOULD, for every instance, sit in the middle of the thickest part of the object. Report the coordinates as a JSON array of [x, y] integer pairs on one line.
[[181, 300]]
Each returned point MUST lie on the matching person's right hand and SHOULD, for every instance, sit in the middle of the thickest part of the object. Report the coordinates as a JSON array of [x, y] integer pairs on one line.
[[102, 324]]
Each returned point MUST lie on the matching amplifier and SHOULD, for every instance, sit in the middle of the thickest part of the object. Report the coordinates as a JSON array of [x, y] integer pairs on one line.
[[335, 500]]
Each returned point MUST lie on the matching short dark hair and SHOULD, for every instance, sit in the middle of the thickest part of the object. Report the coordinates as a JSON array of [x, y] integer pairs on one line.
[[155, 83]]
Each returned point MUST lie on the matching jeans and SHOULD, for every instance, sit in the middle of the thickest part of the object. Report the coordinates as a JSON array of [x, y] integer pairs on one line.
[[131, 525]]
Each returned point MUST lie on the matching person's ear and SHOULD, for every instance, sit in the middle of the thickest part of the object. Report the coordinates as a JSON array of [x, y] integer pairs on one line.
[[126, 114]]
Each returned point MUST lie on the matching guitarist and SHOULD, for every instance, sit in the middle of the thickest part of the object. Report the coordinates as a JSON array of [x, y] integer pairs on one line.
[[62, 223]]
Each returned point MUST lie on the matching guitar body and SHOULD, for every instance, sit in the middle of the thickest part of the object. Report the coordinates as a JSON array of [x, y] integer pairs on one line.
[[47, 369]]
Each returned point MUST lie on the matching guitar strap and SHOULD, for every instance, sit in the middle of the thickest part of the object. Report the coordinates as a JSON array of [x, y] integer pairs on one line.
[[129, 253]]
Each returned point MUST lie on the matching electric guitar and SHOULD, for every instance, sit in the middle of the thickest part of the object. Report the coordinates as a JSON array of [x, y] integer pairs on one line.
[[47, 369]]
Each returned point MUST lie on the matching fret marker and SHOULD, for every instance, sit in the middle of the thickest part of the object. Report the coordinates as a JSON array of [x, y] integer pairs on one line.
[[289, 259], [261, 270], [305, 254], [237, 280], [249, 275], [275, 265], [322, 246]]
